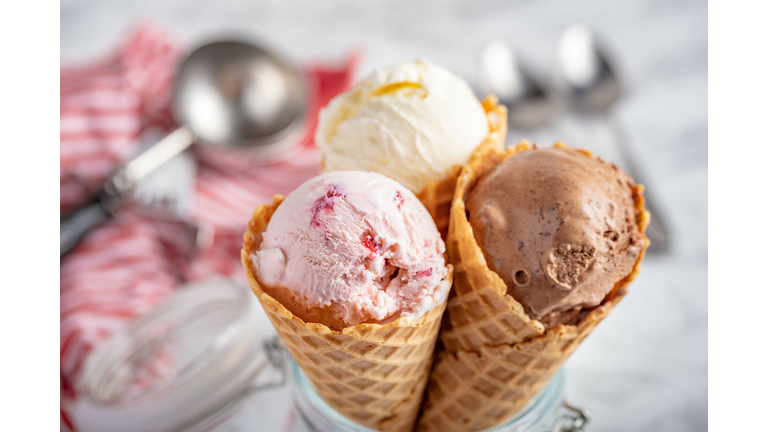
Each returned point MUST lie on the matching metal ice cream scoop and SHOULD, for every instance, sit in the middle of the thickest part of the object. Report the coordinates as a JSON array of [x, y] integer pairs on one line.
[[236, 100]]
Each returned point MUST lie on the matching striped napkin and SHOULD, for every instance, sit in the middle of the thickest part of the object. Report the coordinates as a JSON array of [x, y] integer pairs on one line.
[[130, 264]]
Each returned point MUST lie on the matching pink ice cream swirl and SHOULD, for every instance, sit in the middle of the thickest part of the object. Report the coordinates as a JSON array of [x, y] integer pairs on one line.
[[352, 247]]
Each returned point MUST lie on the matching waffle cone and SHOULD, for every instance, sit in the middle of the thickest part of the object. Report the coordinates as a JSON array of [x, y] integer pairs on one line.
[[373, 374], [437, 196], [496, 357]]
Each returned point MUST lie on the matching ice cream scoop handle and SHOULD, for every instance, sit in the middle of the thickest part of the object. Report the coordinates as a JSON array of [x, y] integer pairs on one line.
[[74, 225], [149, 160]]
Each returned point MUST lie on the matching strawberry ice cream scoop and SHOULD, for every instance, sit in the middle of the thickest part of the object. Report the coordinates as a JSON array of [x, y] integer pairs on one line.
[[352, 247]]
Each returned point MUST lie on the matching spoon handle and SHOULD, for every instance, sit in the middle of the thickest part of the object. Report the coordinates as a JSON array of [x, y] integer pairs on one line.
[[656, 231]]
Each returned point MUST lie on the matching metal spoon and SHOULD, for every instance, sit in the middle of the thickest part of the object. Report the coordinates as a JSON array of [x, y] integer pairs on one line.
[[236, 100], [585, 78], [502, 73]]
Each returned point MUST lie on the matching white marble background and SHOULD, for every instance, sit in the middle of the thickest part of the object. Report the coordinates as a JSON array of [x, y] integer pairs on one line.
[[645, 367]]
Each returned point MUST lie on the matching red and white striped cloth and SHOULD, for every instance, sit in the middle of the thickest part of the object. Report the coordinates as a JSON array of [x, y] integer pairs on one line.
[[130, 264]]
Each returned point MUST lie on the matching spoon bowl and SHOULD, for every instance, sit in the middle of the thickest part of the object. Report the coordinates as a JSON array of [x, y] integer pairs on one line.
[[582, 72], [584, 77], [503, 74]]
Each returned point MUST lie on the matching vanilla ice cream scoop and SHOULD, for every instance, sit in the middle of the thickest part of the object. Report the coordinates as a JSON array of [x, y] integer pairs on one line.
[[352, 247], [411, 122]]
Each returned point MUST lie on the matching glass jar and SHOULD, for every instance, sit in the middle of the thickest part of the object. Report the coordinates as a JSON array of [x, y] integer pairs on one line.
[[196, 363], [545, 412], [188, 365]]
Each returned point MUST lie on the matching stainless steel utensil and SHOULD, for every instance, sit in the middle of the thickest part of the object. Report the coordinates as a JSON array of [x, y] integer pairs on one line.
[[584, 77], [503, 74], [233, 99], [165, 195]]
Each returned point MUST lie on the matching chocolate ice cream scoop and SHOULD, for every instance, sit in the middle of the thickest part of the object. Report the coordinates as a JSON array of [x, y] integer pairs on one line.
[[559, 227]]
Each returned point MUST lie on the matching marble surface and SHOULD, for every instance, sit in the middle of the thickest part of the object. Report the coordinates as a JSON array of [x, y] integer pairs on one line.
[[645, 367]]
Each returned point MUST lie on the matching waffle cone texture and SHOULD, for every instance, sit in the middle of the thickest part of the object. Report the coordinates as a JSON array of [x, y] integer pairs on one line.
[[495, 357], [374, 374], [438, 196]]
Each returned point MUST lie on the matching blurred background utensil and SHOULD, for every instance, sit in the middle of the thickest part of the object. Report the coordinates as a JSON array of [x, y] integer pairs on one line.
[[164, 194], [584, 76], [231, 97], [168, 190], [503, 74]]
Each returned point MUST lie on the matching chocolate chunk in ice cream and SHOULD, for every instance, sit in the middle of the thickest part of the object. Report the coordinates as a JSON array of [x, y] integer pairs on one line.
[[559, 227]]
